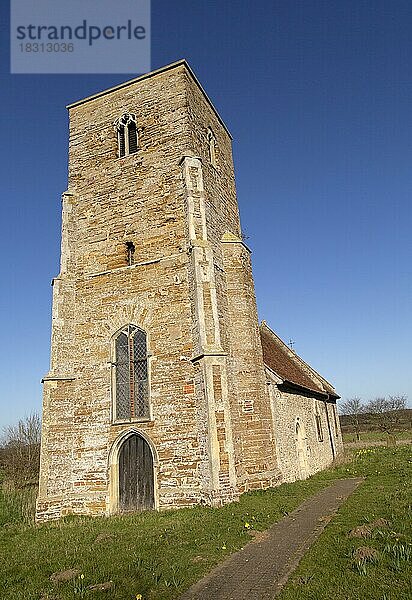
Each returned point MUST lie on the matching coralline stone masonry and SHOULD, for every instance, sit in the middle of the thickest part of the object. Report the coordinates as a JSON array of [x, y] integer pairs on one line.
[[151, 243]]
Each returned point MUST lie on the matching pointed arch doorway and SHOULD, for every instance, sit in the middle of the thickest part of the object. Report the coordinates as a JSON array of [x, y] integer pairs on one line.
[[136, 475]]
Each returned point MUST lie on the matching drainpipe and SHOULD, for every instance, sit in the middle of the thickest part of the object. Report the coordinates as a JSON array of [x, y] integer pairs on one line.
[[332, 445]]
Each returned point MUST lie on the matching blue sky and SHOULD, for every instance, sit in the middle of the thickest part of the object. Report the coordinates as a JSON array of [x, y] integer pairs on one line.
[[318, 97]]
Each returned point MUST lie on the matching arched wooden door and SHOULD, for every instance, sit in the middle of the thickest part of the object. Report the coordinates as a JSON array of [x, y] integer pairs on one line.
[[136, 485]]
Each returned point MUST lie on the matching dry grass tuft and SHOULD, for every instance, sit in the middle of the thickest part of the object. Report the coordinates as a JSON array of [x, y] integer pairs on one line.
[[365, 553], [363, 531], [63, 576], [101, 587], [379, 524]]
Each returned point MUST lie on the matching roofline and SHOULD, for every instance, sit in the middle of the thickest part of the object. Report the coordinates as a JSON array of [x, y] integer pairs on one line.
[[328, 394], [300, 359], [286, 383], [291, 384], [174, 65], [303, 388], [264, 324]]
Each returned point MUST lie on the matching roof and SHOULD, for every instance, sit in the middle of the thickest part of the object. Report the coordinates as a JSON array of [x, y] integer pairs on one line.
[[289, 367], [174, 65]]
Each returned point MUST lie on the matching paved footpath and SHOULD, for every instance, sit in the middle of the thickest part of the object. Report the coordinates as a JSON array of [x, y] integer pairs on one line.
[[262, 567]]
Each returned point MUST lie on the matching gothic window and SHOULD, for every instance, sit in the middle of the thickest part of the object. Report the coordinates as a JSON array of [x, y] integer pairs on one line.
[[127, 136], [319, 429], [211, 140], [131, 383]]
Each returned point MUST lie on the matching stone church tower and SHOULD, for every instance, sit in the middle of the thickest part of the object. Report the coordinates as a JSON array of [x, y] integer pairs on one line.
[[156, 395]]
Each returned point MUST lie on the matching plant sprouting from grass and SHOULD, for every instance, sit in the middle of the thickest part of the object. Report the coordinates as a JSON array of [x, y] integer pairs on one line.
[[176, 580], [304, 580], [399, 551], [360, 566], [79, 586], [362, 556]]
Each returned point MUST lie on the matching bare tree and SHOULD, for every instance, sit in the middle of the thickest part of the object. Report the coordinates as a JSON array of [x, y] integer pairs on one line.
[[396, 413], [20, 452], [377, 405], [397, 402], [353, 408], [388, 412]]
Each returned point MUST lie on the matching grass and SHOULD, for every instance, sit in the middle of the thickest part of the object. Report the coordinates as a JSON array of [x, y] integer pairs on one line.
[[377, 436], [377, 567], [158, 555], [17, 506]]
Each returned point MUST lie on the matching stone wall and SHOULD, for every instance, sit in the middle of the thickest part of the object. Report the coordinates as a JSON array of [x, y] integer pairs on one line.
[[303, 454]]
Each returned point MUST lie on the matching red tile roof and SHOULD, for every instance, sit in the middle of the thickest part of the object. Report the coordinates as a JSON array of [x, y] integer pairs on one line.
[[289, 366]]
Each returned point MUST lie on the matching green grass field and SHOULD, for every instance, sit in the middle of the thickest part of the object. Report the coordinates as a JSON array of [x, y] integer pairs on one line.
[[377, 436], [344, 567], [158, 555]]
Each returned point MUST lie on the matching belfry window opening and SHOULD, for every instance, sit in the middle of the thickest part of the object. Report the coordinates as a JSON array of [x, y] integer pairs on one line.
[[127, 136]]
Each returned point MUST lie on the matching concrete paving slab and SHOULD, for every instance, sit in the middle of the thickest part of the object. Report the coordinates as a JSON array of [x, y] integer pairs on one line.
[[262, 567]]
